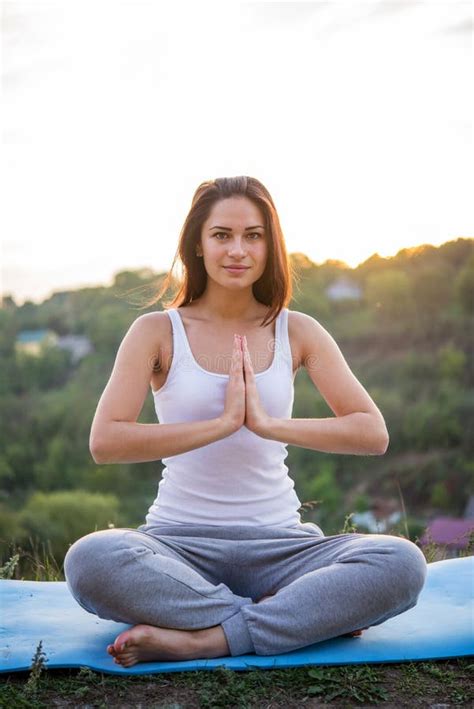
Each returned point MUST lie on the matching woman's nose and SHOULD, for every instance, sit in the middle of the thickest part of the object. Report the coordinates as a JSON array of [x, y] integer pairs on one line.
[[237, 247]]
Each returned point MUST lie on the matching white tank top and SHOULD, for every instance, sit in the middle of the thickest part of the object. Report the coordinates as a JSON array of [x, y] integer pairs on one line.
[[241, 479]]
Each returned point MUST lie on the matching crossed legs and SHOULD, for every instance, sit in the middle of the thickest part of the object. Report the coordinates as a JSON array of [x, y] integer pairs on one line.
[[322, 587]]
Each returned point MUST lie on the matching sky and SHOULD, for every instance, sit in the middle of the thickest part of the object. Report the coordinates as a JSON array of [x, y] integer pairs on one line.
[[357, 116]]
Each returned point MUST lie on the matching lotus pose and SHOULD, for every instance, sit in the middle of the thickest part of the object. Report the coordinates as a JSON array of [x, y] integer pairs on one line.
[[223, 564]]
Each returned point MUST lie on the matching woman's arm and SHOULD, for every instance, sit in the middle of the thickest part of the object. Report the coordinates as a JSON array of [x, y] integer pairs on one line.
[[358, 427], [129, 442], [115, 436]]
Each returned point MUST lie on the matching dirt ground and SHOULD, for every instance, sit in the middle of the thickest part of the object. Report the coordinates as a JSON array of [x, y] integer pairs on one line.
[[438, 685]]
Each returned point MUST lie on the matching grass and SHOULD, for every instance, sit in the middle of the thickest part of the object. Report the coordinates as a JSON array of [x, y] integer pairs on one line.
[[421, 684], [409, 684]]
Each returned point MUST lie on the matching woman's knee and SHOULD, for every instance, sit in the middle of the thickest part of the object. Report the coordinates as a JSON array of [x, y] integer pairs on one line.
[[401, 565], [87, 561], [409, 568]]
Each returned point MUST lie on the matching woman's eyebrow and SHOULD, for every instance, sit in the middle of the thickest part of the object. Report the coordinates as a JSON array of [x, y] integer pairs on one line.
[[226, 228]]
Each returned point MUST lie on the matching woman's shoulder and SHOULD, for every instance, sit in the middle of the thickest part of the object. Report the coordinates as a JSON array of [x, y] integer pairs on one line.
[[305, 331], [152, 328], [299, 321], [153, 320], [302, 320]]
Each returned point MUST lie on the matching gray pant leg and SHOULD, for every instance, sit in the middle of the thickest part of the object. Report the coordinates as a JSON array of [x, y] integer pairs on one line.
[[131, 577], [327, 588]]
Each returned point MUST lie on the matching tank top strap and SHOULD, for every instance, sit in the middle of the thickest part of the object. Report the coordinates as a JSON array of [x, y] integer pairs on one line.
[[283, 347], [180, 341]]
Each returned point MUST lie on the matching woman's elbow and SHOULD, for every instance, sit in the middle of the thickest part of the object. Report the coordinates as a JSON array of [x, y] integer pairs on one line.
[[381, 443], [97, 451], [95, 455]]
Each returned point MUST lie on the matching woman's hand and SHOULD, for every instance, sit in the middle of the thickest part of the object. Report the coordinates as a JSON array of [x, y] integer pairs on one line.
[[242, 402], [256, 418], [234, 406]]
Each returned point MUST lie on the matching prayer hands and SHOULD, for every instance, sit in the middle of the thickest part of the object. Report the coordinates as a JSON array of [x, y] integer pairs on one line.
[[242, 403], [256, 418]]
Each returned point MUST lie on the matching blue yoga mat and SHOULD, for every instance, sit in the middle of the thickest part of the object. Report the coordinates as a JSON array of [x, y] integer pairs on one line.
[[441, 625]]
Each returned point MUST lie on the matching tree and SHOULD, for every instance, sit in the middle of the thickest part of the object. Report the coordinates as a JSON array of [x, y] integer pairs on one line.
[[432, 289], [464, 286], [451, 363], [389, 293]]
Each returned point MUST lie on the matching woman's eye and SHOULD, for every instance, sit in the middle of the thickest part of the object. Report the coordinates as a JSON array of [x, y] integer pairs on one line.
[[255, 234]]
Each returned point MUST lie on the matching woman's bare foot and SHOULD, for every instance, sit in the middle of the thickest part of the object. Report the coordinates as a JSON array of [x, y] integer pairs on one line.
[[354, 634], [147, 643]]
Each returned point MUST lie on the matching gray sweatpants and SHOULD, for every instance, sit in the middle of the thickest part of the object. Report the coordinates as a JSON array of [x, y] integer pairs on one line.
[[193, 576]]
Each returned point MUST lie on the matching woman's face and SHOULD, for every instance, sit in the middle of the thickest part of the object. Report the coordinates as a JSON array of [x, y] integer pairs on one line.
[[234, 235]]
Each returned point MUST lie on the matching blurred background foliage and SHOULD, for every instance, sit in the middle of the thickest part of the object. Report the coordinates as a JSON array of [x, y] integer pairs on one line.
[[407, 337]]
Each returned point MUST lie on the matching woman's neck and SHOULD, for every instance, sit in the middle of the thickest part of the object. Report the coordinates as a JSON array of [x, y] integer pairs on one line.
[[229, 307]]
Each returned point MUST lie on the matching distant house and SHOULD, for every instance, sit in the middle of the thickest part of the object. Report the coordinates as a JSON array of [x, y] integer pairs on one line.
[[452, 533], [32, 341], [374, 524], [78, 345], [344, 289]]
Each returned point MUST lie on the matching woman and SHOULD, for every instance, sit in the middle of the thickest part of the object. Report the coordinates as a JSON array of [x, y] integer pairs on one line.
[[224, 565]]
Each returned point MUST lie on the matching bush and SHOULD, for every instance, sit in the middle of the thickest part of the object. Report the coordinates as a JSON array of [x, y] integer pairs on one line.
[[324, 488], [10, 526], [451, 363], [440, 498], [63, 517], [434, 420]]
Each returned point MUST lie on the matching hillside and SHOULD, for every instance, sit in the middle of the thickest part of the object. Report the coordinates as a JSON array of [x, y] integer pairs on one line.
[[404, 325]]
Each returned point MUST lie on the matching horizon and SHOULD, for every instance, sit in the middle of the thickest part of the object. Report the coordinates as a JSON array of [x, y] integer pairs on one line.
[[83, 285]]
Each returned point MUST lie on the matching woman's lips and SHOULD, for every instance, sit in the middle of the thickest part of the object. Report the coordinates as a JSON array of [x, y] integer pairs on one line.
[[236, 269]]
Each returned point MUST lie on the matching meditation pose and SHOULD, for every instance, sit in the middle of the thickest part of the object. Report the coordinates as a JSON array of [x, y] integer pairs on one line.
[[223, 564]]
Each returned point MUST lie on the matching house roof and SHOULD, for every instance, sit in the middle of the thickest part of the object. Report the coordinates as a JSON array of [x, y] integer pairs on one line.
[[32, 335], [448, 530], [343, 288]]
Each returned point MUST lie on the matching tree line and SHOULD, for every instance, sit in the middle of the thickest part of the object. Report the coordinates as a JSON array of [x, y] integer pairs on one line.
[[406, 333]]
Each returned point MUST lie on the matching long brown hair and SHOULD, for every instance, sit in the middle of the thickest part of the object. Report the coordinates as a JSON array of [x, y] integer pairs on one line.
[[274, 287]]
